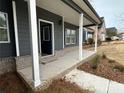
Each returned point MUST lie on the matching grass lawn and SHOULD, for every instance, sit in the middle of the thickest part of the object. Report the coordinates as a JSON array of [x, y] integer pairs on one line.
[[113, 51]]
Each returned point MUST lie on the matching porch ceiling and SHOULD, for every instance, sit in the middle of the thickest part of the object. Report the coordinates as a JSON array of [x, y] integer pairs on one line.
[[88, 9], [70, 15]]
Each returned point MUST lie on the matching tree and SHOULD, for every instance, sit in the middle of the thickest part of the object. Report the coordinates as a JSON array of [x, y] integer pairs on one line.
[[111, 32]]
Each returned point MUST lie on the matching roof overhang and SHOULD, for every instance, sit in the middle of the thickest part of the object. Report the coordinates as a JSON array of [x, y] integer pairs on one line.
[[70, 10]]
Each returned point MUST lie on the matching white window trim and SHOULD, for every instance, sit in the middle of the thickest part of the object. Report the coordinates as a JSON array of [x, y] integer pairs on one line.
[[8, 34], [44, 35], [71, 43]]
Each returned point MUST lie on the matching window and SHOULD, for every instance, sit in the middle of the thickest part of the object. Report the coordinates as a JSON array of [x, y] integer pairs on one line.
[[70, 36], [46, 33], [4, 29]]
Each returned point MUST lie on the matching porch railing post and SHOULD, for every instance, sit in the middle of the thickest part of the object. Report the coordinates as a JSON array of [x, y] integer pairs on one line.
[[15, 28], [34, 42], [86, 34], [81, 37], [96, 37]]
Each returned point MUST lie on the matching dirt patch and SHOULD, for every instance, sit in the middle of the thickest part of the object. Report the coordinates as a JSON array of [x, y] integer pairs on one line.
[[11, 83], [106, 68], [60, 86]]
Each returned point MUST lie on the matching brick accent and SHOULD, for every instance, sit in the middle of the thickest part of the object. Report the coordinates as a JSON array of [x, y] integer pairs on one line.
[[7, 64]]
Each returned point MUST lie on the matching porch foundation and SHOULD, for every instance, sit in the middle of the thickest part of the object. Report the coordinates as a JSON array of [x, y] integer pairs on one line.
[[56, 69]]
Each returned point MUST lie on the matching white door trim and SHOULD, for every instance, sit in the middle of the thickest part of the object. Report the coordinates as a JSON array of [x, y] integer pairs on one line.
[[53, 39]]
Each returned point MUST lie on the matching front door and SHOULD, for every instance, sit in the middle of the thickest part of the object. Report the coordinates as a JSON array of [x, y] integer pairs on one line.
[[46, 38]]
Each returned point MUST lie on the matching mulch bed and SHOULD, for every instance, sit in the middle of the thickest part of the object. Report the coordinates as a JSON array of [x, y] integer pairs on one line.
[[60, 86], [11, 83], [105, 68]]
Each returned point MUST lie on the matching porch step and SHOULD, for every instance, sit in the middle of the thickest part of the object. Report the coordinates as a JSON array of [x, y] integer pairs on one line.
[[48, 59]]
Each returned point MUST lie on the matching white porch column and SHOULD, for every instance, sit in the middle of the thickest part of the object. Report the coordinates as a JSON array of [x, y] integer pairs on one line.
[[96, 36], [63, 33], [15, 28], [34, 42], [81, 37], [86, 34]]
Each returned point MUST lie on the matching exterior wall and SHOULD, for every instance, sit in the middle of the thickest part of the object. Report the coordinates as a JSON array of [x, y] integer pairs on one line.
[[8, 49], [23, 27], [58, 28], [73, 27], [6, 65], [84, 36]]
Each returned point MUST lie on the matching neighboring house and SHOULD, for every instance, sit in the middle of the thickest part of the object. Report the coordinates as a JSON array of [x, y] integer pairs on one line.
[[102, 30], [32, 31], [121, 36]]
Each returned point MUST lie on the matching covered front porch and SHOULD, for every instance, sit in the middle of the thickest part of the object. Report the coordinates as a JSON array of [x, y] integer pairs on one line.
[[31, 67], [57, 68]]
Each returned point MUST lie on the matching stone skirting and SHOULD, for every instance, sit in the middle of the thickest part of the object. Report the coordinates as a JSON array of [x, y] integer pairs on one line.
[[7, 65]]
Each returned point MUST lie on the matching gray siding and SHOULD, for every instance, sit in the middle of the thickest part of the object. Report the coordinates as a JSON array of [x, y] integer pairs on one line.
[[8, 49], [84, 36], [23, 27], [58, 30], [73, 27]]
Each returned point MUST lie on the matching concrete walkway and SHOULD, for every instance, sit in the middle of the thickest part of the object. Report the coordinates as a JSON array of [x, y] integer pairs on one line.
[[94, 83], [58, 68]]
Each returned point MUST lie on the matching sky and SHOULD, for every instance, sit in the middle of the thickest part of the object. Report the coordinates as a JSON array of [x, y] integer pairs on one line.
[[112, 10]]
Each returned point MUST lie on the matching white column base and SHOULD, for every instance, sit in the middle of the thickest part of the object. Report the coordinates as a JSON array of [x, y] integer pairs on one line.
[[36, 83]]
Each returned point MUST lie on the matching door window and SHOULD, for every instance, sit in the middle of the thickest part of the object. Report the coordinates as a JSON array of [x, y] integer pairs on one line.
[[46, 33]]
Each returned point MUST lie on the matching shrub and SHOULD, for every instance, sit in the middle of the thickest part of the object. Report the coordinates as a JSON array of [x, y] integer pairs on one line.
[[90, 41], [111, 61], [120, 68], [95, 61], [104, 56]]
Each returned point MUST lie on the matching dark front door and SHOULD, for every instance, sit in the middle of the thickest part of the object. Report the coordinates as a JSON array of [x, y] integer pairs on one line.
[[46, 38]]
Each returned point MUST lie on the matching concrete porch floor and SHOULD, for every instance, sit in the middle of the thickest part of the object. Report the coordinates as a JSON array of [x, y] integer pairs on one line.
[[57, 68]]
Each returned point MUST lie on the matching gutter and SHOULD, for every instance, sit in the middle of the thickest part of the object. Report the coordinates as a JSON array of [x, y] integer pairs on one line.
[[90, 6]]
